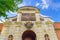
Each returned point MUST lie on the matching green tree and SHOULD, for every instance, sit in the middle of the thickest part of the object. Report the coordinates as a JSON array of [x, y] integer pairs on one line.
[[8, 5]]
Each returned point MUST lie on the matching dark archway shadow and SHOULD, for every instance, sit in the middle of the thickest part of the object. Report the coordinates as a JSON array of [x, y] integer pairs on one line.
[[29, 34]]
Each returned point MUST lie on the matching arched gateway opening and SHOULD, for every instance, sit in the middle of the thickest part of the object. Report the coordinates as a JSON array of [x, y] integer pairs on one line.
[[29, 35]]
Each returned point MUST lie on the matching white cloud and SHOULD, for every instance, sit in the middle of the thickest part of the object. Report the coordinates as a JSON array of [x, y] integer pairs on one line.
[[43, 15], [49, 3], [22, 4], [10, 12], [37, 4], [44, 4], [45, 7], [44, 1], [2, 20]]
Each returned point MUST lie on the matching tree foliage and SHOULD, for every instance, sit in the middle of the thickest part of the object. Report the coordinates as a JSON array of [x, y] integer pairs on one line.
[[6, 5]]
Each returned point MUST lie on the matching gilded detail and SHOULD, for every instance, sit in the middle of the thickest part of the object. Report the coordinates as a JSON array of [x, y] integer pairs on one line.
[[39, 24], [49, 22], [7, 23], [18, 24]]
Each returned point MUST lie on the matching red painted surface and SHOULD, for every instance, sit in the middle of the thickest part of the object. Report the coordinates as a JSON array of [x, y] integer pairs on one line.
[[58, 34], [57, 25], [1, 26]]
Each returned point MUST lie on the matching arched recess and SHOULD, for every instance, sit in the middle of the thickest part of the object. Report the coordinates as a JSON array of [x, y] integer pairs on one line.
[[46, 37], [28, 35], [10, 37]]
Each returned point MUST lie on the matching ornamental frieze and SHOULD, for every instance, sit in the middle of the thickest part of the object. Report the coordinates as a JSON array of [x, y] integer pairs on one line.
[[39, 24], [18, 24], [7, 23]]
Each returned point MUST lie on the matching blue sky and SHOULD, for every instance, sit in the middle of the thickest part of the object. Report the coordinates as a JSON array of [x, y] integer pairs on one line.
[[49, 8]]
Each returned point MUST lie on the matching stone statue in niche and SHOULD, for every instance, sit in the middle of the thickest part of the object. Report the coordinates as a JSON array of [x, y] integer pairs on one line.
[[46, 37], [10, 37], [28, 25]]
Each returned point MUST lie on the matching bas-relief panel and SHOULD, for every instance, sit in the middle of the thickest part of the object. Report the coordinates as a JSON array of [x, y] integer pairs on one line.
[[28, 17]]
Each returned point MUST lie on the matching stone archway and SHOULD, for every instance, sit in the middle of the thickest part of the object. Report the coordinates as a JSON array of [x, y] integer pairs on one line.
[[29, 35]]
